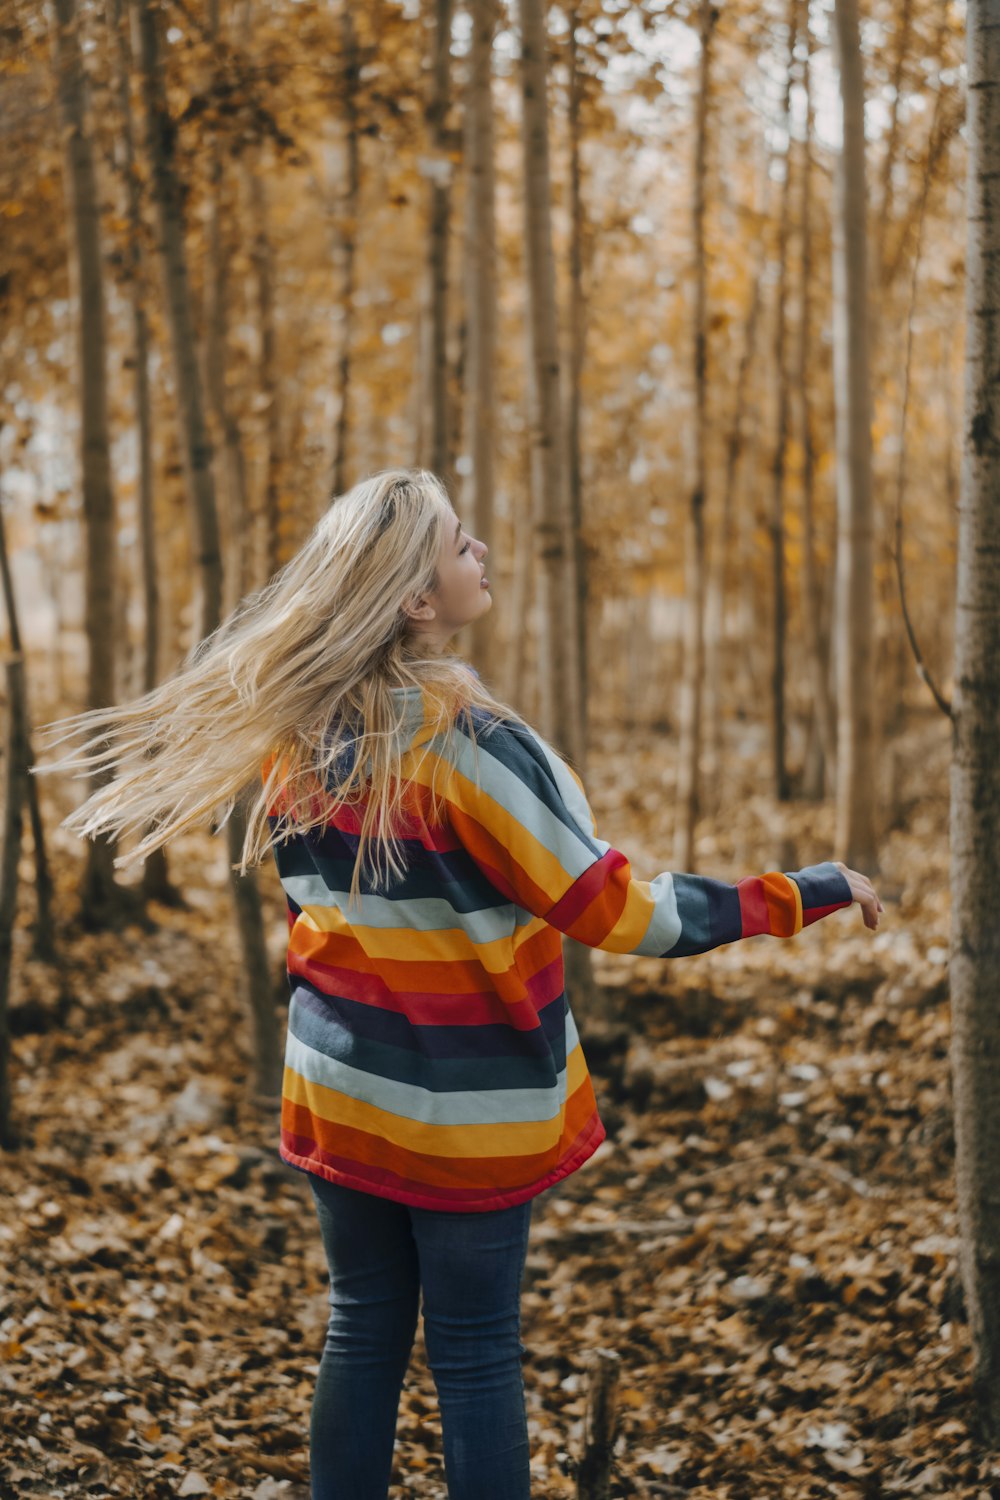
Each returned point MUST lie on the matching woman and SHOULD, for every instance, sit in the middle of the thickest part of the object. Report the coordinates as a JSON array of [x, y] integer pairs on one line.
[[432, 849]]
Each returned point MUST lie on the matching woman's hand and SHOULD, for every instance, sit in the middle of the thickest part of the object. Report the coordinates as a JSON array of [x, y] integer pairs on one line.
[[864, 894]]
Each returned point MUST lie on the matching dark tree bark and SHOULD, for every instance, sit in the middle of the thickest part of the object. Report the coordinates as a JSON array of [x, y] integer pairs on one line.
[[198, 467], [695, 561], [101, 900], [975, 772], [348, 248]]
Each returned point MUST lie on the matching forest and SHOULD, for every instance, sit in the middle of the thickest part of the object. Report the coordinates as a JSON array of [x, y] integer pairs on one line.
[[692, 308]]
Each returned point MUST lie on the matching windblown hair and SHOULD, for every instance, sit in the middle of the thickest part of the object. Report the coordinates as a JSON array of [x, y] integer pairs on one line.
[[298, 674]]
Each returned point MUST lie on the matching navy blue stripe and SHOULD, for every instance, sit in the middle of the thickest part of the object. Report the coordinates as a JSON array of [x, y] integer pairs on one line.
[[530, 1068], [450, 875], [710, 914], [521, 754], [388, 1027], [822, 885]]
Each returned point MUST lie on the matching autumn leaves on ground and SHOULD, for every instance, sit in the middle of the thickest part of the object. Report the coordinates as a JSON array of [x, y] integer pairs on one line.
[[767, 1240]]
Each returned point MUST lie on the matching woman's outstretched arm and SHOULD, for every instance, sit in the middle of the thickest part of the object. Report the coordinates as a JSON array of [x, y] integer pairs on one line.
[[524, 818]]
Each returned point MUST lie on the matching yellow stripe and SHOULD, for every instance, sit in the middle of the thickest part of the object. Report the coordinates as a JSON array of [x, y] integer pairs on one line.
[[422, 945], [636, 915], [533, 856], [518, 1138], [798, 906]]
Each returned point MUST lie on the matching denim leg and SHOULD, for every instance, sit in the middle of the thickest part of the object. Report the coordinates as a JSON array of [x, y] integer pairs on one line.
[[374, 1294], [471, 1265]]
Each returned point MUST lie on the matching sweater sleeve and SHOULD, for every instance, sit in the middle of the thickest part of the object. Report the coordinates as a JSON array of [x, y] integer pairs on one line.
[[523, 817]]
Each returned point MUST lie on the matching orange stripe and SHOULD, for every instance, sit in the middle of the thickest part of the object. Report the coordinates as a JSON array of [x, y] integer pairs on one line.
[[782, 908], [455, 976]]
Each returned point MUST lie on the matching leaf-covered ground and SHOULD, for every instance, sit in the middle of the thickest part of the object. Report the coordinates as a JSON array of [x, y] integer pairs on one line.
[[767, 1240]]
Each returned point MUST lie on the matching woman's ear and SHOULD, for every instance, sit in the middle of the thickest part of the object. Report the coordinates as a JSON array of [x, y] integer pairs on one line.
[[419, 608]]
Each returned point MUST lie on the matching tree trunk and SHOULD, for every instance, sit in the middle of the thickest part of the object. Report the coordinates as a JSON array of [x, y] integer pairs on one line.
[[435, 444], [232, 477], [883, 218], [975, 771], [349, 246], [198, 468], [719, 572], [156, 884], [560, 688], [43, 940], [557, 661], [600, 1427], [481, 305], [101, 899], [855, 833], [14, 778], [779, 599], [270, 386], [820, 750], [577, 350], [689, 751], [196, 448]]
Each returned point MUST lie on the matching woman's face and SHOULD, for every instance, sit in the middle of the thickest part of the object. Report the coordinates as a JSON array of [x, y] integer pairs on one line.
[[462, 594]]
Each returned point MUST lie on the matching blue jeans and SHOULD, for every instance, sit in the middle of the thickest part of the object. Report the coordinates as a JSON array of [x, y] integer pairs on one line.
[[469, 1266]]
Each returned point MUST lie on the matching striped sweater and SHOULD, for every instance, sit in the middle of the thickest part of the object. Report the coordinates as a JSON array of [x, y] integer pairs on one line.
[[432, 1055]]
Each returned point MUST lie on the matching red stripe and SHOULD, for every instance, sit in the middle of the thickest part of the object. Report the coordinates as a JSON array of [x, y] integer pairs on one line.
[[753, 906], [814, 913], [590, 887], [427, 1008]]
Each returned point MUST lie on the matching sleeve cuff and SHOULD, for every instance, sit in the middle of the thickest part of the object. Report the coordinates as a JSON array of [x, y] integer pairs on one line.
[[823, 888]]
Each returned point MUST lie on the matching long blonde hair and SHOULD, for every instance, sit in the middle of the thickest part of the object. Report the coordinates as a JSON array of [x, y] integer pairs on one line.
[[299, 671]]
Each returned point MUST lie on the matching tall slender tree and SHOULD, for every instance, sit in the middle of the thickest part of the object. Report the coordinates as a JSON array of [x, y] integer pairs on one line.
[[481, 297], [577, 350], [197, 451], [558, 667], [231, 482], [856, 801], [434, 427], [156, 883], [821, 745], [348, 243], [689, 751], [778, 464], [102, 901], [975, 769], [43, 944], [560, 688]]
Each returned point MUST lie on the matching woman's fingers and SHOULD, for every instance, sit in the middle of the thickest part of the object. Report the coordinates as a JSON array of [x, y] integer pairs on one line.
[[864, 894]]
